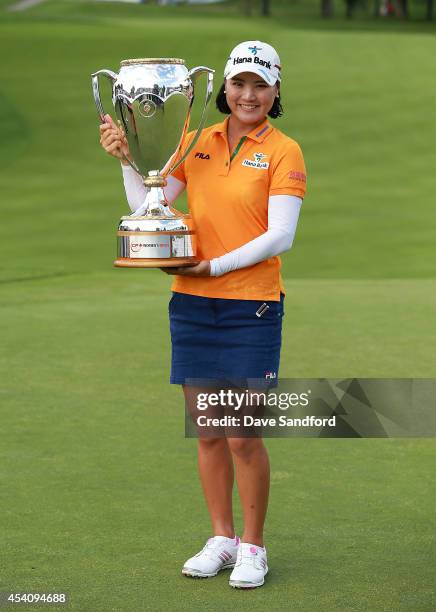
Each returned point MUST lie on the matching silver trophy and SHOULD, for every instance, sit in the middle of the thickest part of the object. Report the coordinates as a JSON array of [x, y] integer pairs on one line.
[[153, 100]]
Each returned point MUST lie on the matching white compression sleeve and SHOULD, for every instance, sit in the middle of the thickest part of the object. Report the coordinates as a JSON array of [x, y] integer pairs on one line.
[[173, 189], [283, 211], [136, 190], [134, 187]]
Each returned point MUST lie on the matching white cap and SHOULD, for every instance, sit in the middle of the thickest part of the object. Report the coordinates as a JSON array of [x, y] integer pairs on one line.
[[254, 56]]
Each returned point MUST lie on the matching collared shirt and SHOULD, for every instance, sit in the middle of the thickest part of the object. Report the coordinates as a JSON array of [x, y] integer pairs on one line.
[[228, 199]]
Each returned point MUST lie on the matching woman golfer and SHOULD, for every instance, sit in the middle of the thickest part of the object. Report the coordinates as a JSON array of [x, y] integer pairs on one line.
[[245, 182]]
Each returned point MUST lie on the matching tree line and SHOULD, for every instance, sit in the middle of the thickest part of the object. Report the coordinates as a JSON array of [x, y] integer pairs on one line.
[[398, 8], [379, 8]]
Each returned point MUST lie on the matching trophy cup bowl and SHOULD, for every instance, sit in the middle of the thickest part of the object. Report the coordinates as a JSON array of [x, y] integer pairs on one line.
[[153, 99]]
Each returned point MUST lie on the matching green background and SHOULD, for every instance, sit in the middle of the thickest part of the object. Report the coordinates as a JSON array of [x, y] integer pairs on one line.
[[100, 496]]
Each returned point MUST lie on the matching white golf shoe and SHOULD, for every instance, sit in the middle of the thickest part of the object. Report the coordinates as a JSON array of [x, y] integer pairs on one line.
[[219, 553], [251, 567]]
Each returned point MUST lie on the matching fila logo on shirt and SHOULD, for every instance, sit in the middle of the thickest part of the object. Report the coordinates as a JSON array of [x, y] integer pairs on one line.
[[270, 375], [257, 162], [202, 155]]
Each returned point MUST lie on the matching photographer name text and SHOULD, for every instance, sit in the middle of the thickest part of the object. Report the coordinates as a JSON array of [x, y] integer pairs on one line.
[[281, 421]]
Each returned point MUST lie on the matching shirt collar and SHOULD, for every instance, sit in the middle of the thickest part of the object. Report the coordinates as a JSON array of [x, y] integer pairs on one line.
[[221, 128], [258, 134]]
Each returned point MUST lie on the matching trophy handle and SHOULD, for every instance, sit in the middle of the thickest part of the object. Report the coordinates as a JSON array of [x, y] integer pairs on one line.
[[112, 76], [194, 74]]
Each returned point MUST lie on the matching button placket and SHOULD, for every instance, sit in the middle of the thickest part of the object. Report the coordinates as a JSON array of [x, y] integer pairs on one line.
[[226, 165]]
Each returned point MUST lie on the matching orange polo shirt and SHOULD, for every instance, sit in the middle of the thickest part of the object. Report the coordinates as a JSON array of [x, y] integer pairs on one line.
[[228, 200]]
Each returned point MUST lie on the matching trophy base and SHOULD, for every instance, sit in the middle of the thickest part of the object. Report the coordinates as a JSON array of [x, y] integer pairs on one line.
[[172, 262], [156, 241]]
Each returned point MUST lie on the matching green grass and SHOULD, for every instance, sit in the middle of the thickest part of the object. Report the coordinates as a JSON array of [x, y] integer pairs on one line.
[[99, 479], [365, 127], [96, 474]]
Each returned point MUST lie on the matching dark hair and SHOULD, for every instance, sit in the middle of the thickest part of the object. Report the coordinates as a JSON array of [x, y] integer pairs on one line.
[[223, 107]]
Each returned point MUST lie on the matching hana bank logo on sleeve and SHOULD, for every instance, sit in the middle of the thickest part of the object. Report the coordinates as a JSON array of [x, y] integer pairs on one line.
[[297, 176], [257, 162]]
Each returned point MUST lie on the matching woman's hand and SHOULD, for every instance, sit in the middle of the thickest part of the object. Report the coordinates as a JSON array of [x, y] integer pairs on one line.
[[113, 140], [200, 269]]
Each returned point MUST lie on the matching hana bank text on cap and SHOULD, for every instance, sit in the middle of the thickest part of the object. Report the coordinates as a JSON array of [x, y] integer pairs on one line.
[[254, 56]]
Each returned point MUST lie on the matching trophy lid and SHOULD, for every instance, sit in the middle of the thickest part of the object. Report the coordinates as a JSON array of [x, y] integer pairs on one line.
[[152, 60]]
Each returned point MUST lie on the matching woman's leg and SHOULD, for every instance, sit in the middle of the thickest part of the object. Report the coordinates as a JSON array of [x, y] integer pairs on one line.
[[252, 476], [216, 474]]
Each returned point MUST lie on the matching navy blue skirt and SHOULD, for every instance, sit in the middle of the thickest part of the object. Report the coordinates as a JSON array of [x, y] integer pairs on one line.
[[233, 341]]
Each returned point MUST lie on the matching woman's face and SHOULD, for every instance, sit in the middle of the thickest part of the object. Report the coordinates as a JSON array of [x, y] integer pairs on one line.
[[249, 97]]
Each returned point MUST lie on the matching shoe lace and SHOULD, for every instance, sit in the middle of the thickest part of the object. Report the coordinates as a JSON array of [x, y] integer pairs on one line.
[[247, 557], [210, 546]]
